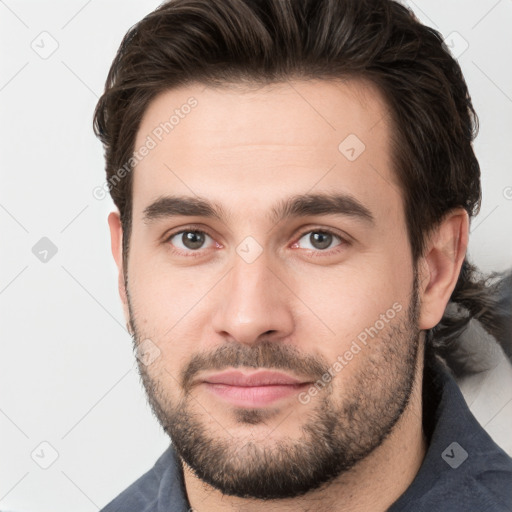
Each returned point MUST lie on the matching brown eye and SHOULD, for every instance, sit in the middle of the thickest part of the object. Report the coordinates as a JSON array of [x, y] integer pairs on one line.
[[189, 240], [319, 240]]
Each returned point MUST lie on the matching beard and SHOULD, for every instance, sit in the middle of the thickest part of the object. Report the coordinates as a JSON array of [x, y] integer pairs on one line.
[[335, 435]]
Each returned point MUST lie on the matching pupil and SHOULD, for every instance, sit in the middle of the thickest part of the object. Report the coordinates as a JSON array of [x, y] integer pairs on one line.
[[192, 239], [320, 240]]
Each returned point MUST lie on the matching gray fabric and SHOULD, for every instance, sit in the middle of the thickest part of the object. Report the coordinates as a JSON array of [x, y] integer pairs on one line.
[[159, 490], [446, 481], [482, 482]]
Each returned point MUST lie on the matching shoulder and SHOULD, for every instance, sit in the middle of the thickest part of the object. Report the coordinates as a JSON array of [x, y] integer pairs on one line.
[[161, 484], [463, 469], [485, 483], [141, 495]]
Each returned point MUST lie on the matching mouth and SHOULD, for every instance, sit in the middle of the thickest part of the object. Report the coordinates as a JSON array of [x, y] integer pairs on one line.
[[255, 389]]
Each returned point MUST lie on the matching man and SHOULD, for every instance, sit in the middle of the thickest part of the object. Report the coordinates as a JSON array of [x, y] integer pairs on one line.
[[295, 181]]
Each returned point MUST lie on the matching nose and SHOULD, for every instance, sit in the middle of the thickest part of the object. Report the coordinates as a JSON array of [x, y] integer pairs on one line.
[[254, 304]]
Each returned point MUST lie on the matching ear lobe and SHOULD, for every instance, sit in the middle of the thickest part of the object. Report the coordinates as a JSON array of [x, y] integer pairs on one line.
[[116, 245], [440, 266]]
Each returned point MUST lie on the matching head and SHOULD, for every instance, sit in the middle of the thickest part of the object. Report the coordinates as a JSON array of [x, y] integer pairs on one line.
[[301, 205]]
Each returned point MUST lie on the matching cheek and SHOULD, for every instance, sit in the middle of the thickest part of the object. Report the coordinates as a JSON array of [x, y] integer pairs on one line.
[[163, 294], [172, 308], [346, 300], [359, 317]]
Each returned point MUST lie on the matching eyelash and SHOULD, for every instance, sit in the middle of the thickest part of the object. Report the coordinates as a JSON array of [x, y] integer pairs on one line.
[[316, 253]]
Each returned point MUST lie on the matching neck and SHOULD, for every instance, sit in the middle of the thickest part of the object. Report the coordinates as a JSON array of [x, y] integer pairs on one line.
[[375, 483]]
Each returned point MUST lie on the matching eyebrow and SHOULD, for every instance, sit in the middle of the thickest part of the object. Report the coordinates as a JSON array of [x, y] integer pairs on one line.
[[321, 204], [172, 206], [296, 206]]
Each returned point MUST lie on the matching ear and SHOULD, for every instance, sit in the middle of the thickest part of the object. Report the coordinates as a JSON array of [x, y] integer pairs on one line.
[[440, 266], [116, 244]]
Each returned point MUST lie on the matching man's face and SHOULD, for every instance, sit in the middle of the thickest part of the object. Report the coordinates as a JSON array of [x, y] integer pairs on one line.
[[280, 342]]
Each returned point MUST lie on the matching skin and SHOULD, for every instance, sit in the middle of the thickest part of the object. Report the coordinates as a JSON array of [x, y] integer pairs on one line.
[[247, 149]]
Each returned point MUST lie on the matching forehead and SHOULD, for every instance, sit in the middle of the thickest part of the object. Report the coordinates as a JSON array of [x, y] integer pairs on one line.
[[252, 146]]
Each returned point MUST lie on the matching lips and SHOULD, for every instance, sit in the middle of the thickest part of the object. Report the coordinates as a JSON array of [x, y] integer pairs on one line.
[[257, 389], [261, 378]]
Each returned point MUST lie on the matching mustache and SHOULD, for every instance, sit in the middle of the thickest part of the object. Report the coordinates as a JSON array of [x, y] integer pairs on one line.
[[268, 355]]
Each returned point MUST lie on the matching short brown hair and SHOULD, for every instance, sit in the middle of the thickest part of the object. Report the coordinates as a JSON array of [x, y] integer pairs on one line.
[[271, 41]]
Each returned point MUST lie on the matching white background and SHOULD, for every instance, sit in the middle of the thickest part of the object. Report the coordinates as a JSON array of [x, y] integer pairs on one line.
[[67, 371]]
